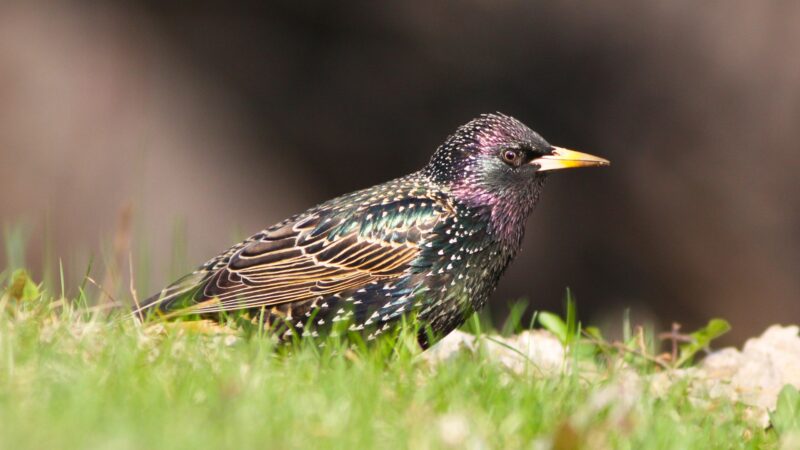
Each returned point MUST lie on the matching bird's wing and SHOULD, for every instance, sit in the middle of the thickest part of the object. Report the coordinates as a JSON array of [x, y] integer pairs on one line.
[[317, 255]]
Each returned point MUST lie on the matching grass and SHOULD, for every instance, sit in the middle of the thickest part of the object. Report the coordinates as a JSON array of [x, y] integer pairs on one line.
[[71, 377], [74, 375]]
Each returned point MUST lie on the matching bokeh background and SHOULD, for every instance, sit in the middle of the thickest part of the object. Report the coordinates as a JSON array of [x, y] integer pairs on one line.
[[163, 128]]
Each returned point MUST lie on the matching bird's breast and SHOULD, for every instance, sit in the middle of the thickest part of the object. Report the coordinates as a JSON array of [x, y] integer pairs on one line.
[[460, 265]]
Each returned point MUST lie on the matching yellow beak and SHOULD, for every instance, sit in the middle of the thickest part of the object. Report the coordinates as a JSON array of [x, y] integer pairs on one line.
[[562, 158]]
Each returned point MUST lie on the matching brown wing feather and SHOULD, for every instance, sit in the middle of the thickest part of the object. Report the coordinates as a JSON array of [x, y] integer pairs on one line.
[[301, 261]]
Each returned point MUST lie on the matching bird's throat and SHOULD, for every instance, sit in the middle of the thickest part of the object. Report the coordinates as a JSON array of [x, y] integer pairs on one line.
[[505, 210]]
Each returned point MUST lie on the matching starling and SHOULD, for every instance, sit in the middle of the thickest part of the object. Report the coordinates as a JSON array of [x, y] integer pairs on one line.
[[432, 244]]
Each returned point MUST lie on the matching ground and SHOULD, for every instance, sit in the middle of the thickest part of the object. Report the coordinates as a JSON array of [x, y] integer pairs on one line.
[[73, 376]]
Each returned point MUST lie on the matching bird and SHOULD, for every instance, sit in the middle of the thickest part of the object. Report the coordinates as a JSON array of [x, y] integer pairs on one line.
[[432, 244]]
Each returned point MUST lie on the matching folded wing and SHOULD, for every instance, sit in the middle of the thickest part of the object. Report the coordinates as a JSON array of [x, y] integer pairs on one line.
[[316, 255]]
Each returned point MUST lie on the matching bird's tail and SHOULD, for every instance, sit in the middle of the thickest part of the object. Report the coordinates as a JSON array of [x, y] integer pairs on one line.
[[179, 294]]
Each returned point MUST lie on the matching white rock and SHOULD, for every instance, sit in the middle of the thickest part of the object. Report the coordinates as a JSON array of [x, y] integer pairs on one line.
[[756, 375], [536, 350], [448, 347], [532, 349]]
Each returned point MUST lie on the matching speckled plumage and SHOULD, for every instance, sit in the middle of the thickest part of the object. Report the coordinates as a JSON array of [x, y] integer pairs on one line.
[[433, 243]]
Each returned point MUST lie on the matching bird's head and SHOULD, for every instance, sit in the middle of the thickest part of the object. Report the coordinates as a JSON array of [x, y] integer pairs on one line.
[[498, 164]]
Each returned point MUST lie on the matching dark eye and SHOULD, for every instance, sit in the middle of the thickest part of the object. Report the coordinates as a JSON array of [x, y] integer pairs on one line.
[[510, 156]]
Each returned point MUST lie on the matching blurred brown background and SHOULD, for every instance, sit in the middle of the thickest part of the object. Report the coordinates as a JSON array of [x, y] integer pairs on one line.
[[223, 119]]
